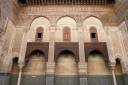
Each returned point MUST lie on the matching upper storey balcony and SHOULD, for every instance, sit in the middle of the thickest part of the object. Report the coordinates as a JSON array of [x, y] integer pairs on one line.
[[66, 2]]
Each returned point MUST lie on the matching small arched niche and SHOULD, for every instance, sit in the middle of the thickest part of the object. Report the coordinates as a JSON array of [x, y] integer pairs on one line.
[[15, 67], [97, 64], [66, 64], [118, 69], [36, 65], [14, 71], [93, 34], [90, 22], [36, 25]]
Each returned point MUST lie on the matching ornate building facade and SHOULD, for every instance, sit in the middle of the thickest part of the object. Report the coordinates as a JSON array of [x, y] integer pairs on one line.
[[64, 42]]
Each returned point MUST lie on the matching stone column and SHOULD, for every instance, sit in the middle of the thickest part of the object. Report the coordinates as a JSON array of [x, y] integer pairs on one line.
[[82, 63], [22, 54], [50, 63], [23, 45], [21, 64], [112, 67]]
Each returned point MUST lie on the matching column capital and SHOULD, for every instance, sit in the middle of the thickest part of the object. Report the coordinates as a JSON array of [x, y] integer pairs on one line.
[[80, 27], [79, 24], [21, 64], [52, 29], [112, 65]]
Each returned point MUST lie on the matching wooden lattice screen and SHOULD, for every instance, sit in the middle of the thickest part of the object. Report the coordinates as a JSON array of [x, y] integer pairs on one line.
[[67, 2]]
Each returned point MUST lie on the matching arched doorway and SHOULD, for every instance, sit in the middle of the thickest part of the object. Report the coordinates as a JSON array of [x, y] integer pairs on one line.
[[98, 70], [35, 69], [14, 71], [119, 72], [66, 69]]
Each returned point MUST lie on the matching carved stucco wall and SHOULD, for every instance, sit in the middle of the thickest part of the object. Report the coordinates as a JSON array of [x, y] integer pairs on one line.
[[121, 9], [20, 27], [124, 33], [9, 9], [111, 35]]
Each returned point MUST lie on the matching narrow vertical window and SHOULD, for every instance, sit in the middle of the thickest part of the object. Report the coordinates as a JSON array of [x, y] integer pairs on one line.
[[39, 34], [66, 34], [93, 34]]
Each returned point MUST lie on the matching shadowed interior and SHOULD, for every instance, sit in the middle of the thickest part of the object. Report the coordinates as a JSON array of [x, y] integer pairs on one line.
[[96, 64], [66, 64], [36, 64]]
